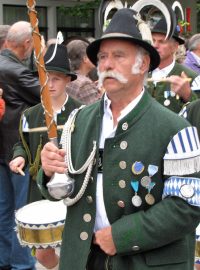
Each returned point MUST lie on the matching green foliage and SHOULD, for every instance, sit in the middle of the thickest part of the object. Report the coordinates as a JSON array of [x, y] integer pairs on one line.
[[183, 23], [81, 10], [183, 27]]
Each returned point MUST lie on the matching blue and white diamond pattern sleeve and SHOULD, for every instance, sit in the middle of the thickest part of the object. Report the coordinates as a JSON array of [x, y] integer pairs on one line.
[[184, 187], [183, 153]]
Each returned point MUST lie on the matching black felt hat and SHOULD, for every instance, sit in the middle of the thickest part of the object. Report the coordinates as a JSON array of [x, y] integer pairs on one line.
[[124, 26], [56, 59], [161, 27]]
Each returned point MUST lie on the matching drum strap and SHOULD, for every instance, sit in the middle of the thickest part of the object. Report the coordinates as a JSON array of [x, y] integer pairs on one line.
[[33, 165]]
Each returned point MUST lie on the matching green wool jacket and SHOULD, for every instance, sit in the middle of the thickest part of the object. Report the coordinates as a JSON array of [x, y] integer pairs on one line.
[[158, 91], [193, 114], [31, 144], [157, 237]]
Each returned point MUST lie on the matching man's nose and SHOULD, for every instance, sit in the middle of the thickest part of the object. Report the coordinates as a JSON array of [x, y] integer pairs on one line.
[[155, 44], [50, 83], [109, 63]]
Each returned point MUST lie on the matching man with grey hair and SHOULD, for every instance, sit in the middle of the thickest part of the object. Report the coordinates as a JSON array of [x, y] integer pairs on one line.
[[83, 88], [128, 208], [21, 90], [192, 59]]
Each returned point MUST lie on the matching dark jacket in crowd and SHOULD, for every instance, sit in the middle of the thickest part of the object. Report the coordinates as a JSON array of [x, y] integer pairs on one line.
[[21, 90]]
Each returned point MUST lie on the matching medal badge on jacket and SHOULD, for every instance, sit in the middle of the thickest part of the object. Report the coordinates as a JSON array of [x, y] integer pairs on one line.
[[145, 182]]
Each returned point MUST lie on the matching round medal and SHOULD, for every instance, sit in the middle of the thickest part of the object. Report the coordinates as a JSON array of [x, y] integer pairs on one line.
[[149, 198], [167, 102], [145, 181], [187, 191], [137, 167], [136, 200], [172, 93]]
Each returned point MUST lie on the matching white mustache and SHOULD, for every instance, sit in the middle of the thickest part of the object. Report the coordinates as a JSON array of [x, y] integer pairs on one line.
[[113, 74]]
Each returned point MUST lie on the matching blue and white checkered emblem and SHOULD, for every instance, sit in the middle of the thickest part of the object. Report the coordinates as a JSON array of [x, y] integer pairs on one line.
[[185, 144], [183, 153]]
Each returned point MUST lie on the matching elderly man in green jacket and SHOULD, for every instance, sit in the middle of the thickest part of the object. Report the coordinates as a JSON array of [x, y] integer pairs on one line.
[[171, 84], [135, 201]]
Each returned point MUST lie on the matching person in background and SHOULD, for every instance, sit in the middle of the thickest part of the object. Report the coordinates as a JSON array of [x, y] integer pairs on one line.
[[83, 89], [134, 205], [178, 83], [180, 54], [27, 151], [20, 91], [3, 34], [192, 59]]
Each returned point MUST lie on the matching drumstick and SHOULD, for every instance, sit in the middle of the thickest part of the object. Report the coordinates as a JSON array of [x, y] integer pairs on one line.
[[41, 129], [19, 170], [165, 79]]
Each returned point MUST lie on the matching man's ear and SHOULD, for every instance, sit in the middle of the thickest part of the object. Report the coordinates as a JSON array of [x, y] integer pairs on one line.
[[68, 79], [145, 64], [27, 43], [85, 59]]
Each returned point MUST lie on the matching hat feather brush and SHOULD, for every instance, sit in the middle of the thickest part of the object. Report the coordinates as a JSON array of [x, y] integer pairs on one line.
[[59, 40]]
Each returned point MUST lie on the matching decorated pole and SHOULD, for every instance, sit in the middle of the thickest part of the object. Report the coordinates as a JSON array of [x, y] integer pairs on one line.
[[43, 78]]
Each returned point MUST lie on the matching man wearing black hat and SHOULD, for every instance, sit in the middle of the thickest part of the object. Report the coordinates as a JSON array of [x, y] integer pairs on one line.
[[177, 89], [131, 207], [27, 151]]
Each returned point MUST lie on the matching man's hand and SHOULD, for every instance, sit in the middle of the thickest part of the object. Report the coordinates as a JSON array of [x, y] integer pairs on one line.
[[52, 159], [180, 85], [104, 239], [17, 164]]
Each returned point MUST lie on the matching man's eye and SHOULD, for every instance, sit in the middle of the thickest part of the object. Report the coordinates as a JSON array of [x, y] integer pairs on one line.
[[101, 56], [119, 55]]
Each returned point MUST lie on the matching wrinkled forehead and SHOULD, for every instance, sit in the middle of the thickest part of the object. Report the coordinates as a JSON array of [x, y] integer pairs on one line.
[[117, 44], [52, 73], [161, 37]]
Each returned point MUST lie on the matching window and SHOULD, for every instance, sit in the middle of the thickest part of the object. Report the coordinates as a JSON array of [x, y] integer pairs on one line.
[[14, 13], [71, 25]]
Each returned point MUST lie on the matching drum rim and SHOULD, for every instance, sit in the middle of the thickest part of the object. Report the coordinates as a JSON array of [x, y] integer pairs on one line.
[[40, 202]]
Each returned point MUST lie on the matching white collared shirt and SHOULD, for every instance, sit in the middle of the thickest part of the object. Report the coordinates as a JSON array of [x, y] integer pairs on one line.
[[162, 73], [60, 110], [108, 131]]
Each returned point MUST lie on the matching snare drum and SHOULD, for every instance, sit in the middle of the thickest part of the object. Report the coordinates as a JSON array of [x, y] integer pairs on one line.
[[197, 250], [40, 224]]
